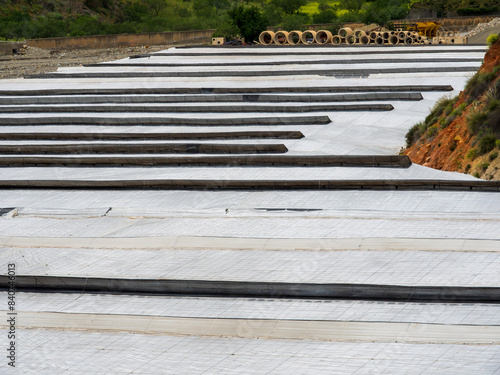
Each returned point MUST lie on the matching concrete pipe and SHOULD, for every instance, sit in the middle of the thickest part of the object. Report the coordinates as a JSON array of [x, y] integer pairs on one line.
[[379, 40], [373, 35], [393, 39], [336, 40], [323, 37], [266, 37], [365, 39], [402, 35], [386, 35], [409, 40], [293, 37], [280, 37], [345, 32], [350, 39], [359, 33], [307, 37]]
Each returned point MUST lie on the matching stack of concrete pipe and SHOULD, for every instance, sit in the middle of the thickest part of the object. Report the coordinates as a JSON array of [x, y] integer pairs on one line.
[[345, 35], [449, 37]]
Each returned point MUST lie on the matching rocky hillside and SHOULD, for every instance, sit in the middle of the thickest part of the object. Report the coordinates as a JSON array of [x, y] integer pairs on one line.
[[463, 133]]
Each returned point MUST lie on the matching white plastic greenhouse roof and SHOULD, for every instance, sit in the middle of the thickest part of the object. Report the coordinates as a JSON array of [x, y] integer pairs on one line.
[[245, 210]]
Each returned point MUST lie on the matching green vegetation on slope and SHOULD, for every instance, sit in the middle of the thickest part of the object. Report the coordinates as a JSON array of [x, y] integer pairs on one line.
[[463, 133]]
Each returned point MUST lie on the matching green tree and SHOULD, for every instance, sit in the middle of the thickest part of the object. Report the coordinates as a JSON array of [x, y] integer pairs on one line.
[[85, 25], [220, 5], [294, 21], [273, 14], [50, 26], [324, 5], [325, 16], [249, 21], [134, 12], [226, 29], [353, 6], [203, 8], [382, 11], [155, 6], [289, 6]]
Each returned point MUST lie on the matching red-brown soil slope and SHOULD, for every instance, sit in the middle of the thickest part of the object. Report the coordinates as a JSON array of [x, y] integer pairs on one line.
[[449, 143]]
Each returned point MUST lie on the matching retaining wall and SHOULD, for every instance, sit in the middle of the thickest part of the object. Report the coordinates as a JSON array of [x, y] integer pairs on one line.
[[121, 40]]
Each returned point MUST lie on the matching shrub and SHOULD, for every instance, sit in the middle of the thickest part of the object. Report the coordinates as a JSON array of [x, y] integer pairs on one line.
[[475, 121], [493, 105], [448, 108], [492, 39], [432, 131], [494, 121], [448, 120], [485, 166], [486, 143], [493, 93], [472, 154], [478, 83], [442, 103], [493, 156], [459, 110], [413, 134]]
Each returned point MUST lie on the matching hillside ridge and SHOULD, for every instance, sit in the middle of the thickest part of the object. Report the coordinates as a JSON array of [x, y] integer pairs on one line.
[[463, 133]]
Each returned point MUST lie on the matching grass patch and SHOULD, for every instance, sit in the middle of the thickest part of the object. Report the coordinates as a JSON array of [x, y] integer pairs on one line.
[[492, 38], [472, 154], [478, 83], [476, 121], [487, 143], [493, 105], [431, 124], [414, 133], [432, 131]]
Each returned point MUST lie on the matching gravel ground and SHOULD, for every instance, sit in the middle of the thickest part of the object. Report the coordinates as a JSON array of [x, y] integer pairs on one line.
[[37, 60]]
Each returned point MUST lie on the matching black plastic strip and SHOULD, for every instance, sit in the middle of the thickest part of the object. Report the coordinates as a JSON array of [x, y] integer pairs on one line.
[[403, 293]]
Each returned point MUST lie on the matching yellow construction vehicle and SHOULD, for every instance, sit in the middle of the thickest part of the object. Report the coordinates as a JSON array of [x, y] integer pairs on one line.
[[427, 29]]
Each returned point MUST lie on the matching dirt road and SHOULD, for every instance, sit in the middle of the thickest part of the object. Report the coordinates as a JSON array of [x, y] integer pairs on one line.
[[38, 60]]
